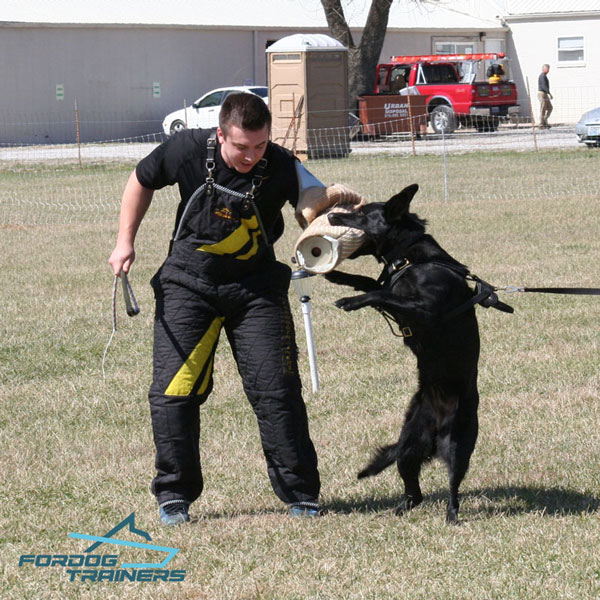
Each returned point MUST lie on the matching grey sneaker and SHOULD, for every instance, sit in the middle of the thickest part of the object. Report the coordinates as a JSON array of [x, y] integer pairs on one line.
[[305, 509], [174, 512]]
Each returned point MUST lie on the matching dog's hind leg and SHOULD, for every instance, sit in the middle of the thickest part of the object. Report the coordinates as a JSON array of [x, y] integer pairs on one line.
[[415, 446], [462, 443]]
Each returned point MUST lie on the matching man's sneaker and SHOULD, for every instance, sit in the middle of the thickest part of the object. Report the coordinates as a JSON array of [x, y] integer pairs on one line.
[[174, 512], [305, 509]]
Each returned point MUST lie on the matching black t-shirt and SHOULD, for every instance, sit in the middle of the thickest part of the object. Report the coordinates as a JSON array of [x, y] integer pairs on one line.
[[182, 160]]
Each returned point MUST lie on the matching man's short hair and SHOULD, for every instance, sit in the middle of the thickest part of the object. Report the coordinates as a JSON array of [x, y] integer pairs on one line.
[[244, 110]]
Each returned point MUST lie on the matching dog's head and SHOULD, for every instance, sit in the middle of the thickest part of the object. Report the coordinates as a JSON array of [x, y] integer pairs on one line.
[[386, 225]]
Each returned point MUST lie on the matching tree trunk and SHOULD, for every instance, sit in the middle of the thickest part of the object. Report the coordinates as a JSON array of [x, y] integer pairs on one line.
[[362, 59]]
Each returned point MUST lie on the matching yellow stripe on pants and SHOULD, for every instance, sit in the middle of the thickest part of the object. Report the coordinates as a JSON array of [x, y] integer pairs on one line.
[[185, 379]]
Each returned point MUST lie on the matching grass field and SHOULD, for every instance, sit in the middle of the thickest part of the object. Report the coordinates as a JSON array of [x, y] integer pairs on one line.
[[77, 451]]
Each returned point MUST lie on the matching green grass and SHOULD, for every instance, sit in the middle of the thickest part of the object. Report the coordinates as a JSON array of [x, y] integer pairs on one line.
[[77, 451]]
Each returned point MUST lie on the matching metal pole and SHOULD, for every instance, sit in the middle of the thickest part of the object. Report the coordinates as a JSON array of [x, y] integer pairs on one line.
[[412, 129], [77, 133], [445, 164], [532, 115], [312, 357]]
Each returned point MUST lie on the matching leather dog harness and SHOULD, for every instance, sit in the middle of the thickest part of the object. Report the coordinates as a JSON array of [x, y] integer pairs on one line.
[[484, 293]]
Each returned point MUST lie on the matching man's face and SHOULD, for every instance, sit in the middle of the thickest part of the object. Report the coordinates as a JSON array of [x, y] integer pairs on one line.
[[241, 149], [546, 69]]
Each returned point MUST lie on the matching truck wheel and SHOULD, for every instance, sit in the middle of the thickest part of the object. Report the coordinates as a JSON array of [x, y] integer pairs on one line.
[[442, 119]]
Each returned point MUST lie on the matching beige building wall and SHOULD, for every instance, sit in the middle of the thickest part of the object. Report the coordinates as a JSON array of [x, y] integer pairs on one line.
[[124, 79]]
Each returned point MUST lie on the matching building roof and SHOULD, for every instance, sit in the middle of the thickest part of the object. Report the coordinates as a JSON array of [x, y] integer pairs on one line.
[[479, 15], [308, 14], [549, 7]]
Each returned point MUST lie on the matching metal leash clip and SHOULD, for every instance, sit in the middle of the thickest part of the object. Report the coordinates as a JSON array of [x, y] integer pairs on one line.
[[511, 289]]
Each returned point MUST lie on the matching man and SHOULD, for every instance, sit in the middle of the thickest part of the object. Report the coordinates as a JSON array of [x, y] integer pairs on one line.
[[221, 272], [544, 96]]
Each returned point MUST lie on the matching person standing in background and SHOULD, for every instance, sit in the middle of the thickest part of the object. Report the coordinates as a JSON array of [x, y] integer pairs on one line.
[[544, 96]]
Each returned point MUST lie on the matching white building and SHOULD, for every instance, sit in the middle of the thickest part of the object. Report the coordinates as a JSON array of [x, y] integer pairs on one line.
[[128, 63], [566, 35]]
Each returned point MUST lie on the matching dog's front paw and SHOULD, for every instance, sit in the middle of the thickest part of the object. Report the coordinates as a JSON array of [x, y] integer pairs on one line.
[[346, 303]]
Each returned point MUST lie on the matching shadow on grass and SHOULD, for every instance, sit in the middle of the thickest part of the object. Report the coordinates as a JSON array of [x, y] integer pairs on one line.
[[507, 501]]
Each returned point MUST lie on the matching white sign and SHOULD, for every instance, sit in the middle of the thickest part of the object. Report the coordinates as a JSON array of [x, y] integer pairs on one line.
[[393, 110]]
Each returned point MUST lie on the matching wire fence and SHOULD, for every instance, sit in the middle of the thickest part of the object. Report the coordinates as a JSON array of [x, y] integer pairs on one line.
[[83, 182]]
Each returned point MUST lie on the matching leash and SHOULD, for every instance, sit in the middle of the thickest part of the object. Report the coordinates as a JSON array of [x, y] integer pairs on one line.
[[131, 306], [510, 289]]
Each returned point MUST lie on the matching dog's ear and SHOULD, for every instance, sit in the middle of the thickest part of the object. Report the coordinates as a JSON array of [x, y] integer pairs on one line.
[[397, 206]]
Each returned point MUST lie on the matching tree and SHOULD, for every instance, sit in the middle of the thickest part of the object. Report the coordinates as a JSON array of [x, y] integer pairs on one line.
[[362, 59]]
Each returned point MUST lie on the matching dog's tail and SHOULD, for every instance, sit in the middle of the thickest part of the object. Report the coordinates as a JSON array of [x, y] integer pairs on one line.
[[384, 456]]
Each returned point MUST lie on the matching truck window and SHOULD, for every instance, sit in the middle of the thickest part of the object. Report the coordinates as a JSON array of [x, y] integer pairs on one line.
[[399, 78], [382, 85], [439, 74]]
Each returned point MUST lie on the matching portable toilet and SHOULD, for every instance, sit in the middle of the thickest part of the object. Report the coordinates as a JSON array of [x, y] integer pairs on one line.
[[308, 95]]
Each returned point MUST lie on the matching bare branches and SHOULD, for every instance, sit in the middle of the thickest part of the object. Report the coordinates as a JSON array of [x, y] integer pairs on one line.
[[336, 20], [362, 58]]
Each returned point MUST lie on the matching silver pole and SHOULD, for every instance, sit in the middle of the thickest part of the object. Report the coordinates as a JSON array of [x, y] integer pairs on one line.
[[445, 164], [310, 343]]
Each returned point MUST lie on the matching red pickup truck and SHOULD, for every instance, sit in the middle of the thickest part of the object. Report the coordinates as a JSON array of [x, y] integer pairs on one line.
[[454, 97]]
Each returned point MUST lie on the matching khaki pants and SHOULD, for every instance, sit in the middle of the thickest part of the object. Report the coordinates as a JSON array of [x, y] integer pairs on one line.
[[545, 108]]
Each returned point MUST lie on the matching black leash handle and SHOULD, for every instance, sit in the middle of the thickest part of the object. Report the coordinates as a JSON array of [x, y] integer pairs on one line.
[[131, 304]]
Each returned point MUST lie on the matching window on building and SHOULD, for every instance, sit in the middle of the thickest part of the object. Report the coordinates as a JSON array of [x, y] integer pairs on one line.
[[494, 45], [570, 49], [450, 47], [462, 45]]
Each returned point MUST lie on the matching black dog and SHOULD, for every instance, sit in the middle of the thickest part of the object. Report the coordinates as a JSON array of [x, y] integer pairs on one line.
[[426, 292]]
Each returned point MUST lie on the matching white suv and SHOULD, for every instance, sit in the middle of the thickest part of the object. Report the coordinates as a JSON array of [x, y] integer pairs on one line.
[[205, 111]]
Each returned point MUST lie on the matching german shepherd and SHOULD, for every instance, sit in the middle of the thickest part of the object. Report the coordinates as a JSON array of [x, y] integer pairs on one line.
[[427, 293]]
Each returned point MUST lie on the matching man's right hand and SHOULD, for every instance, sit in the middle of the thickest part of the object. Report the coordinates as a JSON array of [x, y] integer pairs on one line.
[[122, 258]]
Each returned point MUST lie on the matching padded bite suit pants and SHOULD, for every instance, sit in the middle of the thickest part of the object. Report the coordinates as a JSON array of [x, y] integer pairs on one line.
[[197, 295]]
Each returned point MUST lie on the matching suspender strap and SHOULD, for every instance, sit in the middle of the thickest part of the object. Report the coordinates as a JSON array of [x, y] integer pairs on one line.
[[209, 185], [211, 144], [258, 176]]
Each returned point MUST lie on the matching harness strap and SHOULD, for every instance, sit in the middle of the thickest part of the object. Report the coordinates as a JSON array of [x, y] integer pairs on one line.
[[393, 271], [256, 183], [484, 295]]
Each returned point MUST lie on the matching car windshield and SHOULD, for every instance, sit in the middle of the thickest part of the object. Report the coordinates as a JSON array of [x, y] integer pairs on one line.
[[213, 99], [260, 91]]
